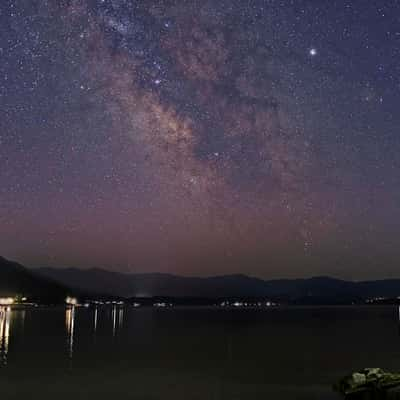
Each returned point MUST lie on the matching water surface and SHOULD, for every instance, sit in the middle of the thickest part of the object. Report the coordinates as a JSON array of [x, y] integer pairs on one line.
[[191, 353]]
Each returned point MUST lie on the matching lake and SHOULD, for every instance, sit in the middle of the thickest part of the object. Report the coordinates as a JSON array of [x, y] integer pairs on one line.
[[191, 353]]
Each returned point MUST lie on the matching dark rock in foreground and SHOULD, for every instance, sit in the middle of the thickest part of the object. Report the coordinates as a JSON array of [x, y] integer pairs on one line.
[[370, 384]]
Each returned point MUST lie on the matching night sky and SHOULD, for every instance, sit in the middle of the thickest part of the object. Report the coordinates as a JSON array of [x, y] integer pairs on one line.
[[201, 137]]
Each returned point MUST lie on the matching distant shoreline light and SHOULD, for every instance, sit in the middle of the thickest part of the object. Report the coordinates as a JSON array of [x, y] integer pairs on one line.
[[72, 301], [6, 301]]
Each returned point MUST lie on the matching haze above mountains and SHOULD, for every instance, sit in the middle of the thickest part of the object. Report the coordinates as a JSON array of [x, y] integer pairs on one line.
[[55, 283]]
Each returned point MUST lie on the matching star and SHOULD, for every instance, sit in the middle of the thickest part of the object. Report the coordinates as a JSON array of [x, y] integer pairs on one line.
[[313, 52]]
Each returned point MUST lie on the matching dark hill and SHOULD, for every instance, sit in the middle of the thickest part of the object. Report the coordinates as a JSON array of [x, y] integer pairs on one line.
[[155, 284], [316, 290], [16, 279]]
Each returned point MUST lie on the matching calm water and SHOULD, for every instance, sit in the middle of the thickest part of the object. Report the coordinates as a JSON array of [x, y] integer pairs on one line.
[[185, 353]]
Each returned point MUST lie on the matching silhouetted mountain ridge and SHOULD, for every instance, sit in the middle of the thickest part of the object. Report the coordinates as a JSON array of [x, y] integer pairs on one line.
[[323, 289], [16, 279], [51, 284]]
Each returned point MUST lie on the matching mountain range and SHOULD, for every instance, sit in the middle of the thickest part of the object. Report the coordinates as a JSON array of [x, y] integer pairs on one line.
[[53, 284], [316, 290]]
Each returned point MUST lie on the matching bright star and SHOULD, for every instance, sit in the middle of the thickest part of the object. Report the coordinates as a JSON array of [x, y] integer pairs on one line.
[[313, 52]]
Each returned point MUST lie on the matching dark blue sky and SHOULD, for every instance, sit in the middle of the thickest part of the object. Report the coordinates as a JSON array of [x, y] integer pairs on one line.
[[201, 137]]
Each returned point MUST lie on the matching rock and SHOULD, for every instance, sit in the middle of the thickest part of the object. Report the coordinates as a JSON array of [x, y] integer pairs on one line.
[[357, 379], [370, 384]]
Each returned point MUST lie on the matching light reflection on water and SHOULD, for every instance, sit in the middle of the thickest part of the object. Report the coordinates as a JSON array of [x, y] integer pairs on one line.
[[117, 316], [120, 318], [5, 322], [95, 320], [70, 327], [7, 315], [114, 319], [117, 320]]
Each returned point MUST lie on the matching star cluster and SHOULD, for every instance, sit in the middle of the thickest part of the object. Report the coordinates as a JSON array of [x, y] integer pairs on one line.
[[201, 137]]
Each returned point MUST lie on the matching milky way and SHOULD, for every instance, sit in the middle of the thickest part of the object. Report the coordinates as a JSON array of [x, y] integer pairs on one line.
[[200, 137]]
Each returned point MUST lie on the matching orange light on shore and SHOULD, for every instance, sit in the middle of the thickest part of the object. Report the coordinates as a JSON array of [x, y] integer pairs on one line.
[[72, 301], [6, 301]]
